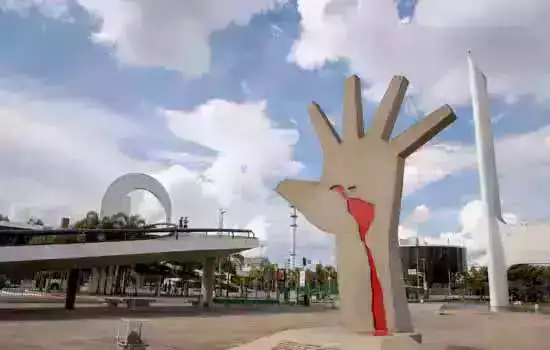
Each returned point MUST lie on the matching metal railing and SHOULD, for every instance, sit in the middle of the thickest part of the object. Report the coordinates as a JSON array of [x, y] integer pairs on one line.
[[73, 235]]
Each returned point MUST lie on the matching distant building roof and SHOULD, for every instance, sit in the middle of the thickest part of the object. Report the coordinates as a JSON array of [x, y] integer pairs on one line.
[[412, 241], [8, 225], [256, 260]]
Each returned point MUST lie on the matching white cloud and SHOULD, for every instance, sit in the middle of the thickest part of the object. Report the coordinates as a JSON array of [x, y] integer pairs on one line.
[[508, 39], [432, 55], [435, 162], [57, 153], [60, 155], [405, 232], [523, 166], [420, 214], [471, 235], [58, 9], [251, 150], [409, 226], [173, 34], [70, 160]]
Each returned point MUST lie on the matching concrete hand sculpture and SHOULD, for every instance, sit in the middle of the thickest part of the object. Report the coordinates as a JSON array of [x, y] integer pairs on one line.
[[358, 198]]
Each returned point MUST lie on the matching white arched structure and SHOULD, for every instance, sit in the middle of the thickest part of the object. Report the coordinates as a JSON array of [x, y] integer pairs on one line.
[[116, 197], [526, 243]]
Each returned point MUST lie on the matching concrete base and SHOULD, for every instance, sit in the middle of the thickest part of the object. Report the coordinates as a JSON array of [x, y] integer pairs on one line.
[[500, 308], [333, 338]]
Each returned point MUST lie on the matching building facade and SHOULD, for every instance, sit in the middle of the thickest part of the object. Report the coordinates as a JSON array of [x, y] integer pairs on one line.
[[432, 266]]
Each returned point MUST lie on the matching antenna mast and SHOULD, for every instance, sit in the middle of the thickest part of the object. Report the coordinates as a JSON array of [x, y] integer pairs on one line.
[[293, 229]]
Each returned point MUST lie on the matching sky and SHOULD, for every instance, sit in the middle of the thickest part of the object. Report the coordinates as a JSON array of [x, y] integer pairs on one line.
[[211, 99]]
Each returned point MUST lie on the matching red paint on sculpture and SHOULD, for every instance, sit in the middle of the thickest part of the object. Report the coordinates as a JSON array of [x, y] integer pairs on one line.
[[363, 213]]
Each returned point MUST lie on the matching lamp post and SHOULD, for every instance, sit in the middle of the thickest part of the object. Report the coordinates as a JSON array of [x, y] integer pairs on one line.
[[425, 282], [417, 268], [221, 213], [449, 274], [293, 229]]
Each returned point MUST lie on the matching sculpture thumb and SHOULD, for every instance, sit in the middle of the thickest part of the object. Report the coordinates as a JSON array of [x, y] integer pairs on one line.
[[299, 193]]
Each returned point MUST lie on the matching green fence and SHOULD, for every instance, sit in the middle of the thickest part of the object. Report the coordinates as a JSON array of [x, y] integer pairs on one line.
[[318, 292], [245, 301]]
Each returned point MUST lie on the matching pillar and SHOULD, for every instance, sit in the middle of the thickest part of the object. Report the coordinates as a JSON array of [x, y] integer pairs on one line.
[[138, 283], [109, 272], [93, 283], [207, 283], [102, 276], [489, 189], [72, 288]]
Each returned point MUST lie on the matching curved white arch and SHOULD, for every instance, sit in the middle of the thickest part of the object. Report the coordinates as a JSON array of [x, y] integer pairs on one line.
[[114, 200], [526, 244]]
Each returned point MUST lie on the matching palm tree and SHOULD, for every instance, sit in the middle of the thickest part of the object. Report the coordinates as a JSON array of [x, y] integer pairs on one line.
[[270, 277], [120, 221], [90, 221], [35, 221], [116, 221]]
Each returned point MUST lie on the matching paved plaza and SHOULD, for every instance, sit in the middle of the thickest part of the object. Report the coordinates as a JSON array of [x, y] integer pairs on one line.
[[185, 328]]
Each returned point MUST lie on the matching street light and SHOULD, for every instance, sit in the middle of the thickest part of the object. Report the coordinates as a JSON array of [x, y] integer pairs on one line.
[[221, 213], [417, 268], [425, 282]]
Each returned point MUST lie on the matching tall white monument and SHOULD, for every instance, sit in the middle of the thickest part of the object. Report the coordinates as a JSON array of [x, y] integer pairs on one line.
[[488, 184]]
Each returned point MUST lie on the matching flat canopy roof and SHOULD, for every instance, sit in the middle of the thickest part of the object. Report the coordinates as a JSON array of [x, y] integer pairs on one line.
[[8, 225]]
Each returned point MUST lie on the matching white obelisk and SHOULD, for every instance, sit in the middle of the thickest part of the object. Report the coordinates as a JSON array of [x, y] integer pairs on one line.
[[488, 184]]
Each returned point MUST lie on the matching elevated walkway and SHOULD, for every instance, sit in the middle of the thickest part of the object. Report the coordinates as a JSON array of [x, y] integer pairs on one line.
[[187, 245]]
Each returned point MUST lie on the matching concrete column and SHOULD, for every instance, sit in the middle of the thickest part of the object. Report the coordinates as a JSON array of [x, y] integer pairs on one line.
[[93, 282], [207, 283], [109, 272], [102, 276], [72, 288], [138, 283]]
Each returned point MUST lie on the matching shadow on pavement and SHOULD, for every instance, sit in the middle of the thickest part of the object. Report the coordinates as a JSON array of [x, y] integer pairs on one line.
[[33, 313]]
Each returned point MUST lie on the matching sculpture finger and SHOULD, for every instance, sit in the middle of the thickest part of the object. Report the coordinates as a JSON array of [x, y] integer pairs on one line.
[[353, 128], [423, 131], [384, 118], [328, 137]]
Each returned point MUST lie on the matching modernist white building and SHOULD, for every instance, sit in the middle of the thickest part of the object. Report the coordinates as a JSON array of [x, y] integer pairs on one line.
[[19, 258]]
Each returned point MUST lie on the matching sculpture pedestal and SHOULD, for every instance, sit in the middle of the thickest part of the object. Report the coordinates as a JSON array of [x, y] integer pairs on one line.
[[332, 338]]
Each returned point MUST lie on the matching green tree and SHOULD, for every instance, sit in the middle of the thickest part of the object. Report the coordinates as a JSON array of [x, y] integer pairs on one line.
[[321, 275], [269, 272], [332, 279], [527, 282], [476, 280]]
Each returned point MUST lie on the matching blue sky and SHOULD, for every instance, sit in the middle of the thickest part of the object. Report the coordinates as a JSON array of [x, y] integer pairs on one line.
[[249, 62]]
